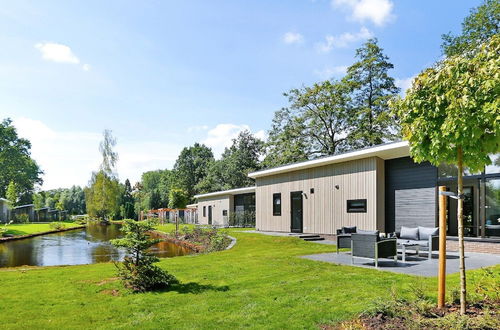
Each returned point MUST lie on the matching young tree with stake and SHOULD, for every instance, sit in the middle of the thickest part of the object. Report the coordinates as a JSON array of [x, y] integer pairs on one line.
[[451, 115]]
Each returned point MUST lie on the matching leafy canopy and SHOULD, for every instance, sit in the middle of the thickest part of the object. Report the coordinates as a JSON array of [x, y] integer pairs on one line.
[[455, 104], [482, 23]]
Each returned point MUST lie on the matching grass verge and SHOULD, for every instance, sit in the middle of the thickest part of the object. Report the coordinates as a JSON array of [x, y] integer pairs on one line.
[[18, 229]]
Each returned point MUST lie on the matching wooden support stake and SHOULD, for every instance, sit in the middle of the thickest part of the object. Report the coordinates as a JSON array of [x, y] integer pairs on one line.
[[442, 249]]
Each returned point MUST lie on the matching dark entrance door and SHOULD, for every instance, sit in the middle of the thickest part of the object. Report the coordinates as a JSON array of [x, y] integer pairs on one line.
[[210, 214], [296, 211]]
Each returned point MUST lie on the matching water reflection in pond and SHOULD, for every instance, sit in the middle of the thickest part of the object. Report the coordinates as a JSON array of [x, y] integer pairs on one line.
[[75, 247]]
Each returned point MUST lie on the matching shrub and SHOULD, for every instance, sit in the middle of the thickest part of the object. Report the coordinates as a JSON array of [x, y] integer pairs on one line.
[[57, 225], [137, 270], [211, 238]]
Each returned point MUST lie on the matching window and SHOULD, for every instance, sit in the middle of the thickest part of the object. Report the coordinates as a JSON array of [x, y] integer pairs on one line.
[[204, 211], [356, 206], [276, 204], [224, 213]]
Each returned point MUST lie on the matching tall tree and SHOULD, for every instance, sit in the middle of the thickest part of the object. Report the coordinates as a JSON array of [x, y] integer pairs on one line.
[[16, 163], [371, 88], [127, 200], [103, 194], [231, 171], [450, 115], [482, 23], [317, 123], [191, 167], [12, 194]]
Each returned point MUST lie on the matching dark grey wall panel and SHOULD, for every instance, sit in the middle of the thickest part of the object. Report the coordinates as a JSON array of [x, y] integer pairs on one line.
[[410, 193]]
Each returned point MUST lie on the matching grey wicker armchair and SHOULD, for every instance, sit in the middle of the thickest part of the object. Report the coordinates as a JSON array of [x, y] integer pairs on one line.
[[369, 245], [344, 237]]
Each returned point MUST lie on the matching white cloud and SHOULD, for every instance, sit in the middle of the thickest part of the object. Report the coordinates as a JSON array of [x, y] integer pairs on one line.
[[86, 67], [68, 158], [378, 12], [222, 135], [329, 72], [404, 83], [57, 53], [343, 40], [197, 128], [293, 38]]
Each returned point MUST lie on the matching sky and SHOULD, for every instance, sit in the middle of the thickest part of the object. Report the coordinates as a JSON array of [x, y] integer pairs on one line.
[[163, 75]]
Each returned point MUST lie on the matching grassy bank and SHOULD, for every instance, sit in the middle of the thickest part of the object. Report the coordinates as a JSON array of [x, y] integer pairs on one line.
[[259, 283], [19, 229], [170, 227]]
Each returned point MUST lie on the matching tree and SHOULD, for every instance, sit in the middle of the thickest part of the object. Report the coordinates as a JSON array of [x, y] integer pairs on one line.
[[12, 194], [103, 193], [137, 270], [17, 164], [191, 167], [477, 28], [127, 206], [317, 123], [39, 200], [371, 88], [286, 142], [231, 171], [177, 198], [450, 115]]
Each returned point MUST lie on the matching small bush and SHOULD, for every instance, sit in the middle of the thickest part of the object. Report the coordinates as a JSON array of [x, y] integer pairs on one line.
[[211, 238], [137, 270], [57, 225]]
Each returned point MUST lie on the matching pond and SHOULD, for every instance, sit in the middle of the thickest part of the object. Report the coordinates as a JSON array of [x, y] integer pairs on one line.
[[75, 247]]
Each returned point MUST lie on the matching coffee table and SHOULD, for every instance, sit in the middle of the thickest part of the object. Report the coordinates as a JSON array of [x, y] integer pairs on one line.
[[405, 245]]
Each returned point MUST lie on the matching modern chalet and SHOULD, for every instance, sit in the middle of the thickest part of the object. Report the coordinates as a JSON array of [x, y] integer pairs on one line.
[[378, 188]]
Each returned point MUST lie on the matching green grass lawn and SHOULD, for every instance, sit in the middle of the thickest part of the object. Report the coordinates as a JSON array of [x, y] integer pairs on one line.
[[260, 283], [170, 227], [32, 228]]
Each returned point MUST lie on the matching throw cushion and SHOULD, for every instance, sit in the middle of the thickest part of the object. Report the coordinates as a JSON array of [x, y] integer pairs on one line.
[[425, 232], [349, 230], [409, 233]]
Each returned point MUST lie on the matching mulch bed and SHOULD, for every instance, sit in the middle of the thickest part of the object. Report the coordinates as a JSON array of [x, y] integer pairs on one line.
[[194, 247], [382, 321]]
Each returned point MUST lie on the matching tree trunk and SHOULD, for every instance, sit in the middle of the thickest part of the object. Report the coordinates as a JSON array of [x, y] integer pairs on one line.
[[460, 219]]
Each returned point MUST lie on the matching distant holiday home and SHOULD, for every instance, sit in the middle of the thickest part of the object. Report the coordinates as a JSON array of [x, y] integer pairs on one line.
[[377, 188]]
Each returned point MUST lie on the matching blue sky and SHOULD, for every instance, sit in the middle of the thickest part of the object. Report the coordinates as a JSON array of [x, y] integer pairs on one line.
[[165, 74]]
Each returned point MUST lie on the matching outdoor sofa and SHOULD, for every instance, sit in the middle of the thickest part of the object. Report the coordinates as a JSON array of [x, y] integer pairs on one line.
[[368, 244], [344, 237], [425, 237]]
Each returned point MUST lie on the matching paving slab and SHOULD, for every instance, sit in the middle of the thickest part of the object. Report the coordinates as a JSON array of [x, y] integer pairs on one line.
[[414, 265]]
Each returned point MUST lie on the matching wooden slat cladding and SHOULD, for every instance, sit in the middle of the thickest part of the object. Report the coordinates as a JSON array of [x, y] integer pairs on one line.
[[218, 203], [326, 209]]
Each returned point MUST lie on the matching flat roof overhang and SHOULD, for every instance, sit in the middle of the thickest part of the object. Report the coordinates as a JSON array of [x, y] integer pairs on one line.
[[237, 191], [383, 151]]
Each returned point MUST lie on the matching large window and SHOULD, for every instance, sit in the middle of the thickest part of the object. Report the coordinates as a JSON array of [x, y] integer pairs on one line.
[[244, 203], [356, 206], [492, 202], [277, 204]]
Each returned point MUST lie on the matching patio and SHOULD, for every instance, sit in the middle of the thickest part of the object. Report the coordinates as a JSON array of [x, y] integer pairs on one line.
[[414, 265]]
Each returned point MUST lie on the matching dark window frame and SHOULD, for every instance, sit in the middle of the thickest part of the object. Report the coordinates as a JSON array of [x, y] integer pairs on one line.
[[276, 206], [204, 211], [355, 209]]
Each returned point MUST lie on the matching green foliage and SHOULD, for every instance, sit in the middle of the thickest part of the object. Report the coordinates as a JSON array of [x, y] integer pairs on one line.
[[455, 103], [477, 28], [57, 225], [137, 270], [11, 194], [17, 164], [177, 198], [192, 166], [127, 202], [211, 238], [109, 157], [371, 88], [102, 196], [317, 123], [231, 171]]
